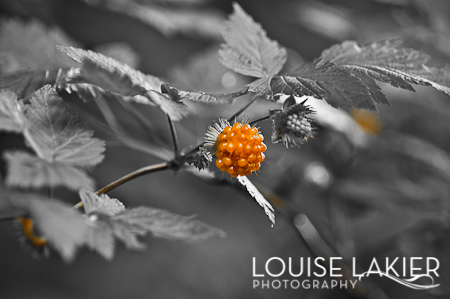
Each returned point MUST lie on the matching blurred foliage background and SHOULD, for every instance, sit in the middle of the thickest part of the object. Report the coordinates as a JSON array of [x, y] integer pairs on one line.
[[382, 193]]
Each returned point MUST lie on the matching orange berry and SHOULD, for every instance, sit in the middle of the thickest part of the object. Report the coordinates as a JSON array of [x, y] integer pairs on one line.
[[242, 163], [219, 163], [248, 149], [222, 137], [240, 148], [258, 138], [260, 157], [230, 147], [237, 125], [231, 135], [232, 171], [263, 147], [222, 146], [227, 161]]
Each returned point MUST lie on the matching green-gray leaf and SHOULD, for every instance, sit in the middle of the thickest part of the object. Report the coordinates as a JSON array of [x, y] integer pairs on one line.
[[247, 49], [12, 118], [165, 224], [25, 171], [56, 135], [110, 76], [325, 81]]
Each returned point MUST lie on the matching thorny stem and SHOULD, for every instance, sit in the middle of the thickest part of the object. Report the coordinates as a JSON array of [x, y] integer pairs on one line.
[[260, 119], [135, 174], [242, 109], [173, 134]]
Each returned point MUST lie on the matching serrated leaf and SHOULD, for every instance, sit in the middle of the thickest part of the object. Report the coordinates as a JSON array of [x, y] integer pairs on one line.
[[247, 49], [385, 62], [31, 61], [56, 135], [102, 203], [254, 192], [324, 81], [12, 118], [103, 230], [63, 227], [112, 77], [25, 170], [169, 225]]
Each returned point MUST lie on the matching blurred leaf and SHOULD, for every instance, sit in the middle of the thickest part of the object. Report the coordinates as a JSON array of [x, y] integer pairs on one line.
[[25, 170], [56, 135], [203, 71], [325, 81], [25, 82], [247, 49], [108, 219], [369, 122], [254, 192], [175, 17], [165, 224], [430, 238], [112, 77], [100, 238], [63, 227], [34, 50], [12, 118], [385, 62], [31, 61]]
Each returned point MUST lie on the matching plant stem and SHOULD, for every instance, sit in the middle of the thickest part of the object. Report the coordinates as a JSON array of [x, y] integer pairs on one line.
[[242, 109], [260, 119], [173, 134], [135, 174]]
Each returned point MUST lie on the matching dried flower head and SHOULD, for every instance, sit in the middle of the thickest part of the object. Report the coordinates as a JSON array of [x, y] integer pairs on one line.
[[291, 124], [239, 148]]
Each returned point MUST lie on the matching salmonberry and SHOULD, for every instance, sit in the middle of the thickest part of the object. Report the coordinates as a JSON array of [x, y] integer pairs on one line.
[[239, 147]]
